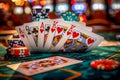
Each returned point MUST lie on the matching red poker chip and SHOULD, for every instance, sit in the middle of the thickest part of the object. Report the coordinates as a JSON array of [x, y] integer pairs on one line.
[[105, 64], [19, 51]]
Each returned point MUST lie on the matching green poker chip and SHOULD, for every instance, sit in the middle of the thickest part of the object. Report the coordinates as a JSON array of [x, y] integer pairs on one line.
[[2, 50], [70, 16]]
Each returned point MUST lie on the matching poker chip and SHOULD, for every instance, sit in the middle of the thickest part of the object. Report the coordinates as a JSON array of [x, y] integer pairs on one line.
[[40, 13], [70, 16], [14, 40], [19, 51], [105, 64]]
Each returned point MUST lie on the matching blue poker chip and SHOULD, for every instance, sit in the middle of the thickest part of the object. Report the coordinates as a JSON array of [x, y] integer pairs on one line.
[[13, 43], [40, 14], [16, 36]]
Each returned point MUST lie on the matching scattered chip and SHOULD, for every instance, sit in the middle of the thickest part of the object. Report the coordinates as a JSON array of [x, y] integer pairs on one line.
[[105, 64]]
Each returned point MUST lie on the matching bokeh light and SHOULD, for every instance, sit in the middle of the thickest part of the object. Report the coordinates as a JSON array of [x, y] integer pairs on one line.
[[98, 6], [49, 6], [79, 7], [18, 10], [61, 7], [27, 10]]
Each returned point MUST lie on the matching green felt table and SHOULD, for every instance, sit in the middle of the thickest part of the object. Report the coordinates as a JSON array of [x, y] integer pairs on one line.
[[80, 71]]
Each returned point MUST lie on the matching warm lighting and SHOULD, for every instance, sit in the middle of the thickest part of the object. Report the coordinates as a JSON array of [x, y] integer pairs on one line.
[[6, 7], [82, 18], [42, 2], [27, 10], [73, 2], [1, 5], [36, 6], [14, 0], [18, 10], [19, 2]]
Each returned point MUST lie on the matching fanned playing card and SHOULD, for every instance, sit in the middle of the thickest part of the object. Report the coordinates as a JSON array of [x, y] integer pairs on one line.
[[79, 39], [31, 29], [51, 34], [44, 28], [23, 36], [43, 65]]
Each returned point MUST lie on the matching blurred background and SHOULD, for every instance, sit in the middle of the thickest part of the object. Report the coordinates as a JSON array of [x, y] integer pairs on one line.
[[102, 15]]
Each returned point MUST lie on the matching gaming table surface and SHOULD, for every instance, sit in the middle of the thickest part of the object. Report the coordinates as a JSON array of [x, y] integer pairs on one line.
[[80, 71]]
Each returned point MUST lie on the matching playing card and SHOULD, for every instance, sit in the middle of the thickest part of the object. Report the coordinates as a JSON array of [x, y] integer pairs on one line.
[[80, 24], [78, 39], [43, 65], [61, 28], [40, 13], [23, 36], [51, 34], [31, 29], [44, 26]]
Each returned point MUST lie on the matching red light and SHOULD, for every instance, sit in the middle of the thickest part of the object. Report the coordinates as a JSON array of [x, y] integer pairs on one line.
[[73, 2], [82, 18], [42, 2]]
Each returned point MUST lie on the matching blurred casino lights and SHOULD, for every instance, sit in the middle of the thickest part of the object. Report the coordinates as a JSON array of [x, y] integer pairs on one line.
[[18, 10], [62, 7], [115, 5], [4, 6], [49, 6], [98, 6], [79, 7], [36, 6], [27, 10]]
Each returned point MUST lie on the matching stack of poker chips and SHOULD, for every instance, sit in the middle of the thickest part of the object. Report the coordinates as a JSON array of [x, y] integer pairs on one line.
[[19, 51], [70, 16], [16, 46], [14, 40], [41, 13]]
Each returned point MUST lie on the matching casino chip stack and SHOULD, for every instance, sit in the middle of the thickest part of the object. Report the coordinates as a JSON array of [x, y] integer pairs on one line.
[[19, 51], [70, 16], [14, 40], [105, 64], [38, 14], [16, 46]]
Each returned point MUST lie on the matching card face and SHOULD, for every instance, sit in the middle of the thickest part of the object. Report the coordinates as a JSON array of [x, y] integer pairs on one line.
[[23, 36], [44, 28], [79, 24], [31, 29], [66, 35], [79, 40], [51, 34], [61, 28], [43, 65], [41, 32]]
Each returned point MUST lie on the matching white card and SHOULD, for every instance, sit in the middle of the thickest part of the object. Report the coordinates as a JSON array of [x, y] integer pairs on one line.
[[51, 33], [43, 65], [31, 29], [76, 31], [23, 36]]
